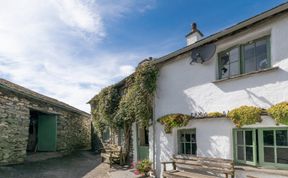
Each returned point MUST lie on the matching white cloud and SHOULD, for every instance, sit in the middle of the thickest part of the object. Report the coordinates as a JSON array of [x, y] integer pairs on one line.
[[44, 44]]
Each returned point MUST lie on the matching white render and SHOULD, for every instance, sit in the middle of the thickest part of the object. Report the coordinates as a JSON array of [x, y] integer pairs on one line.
[[185, 88]]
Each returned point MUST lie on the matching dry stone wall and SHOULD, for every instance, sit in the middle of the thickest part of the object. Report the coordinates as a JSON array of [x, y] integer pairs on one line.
[[73, 128]]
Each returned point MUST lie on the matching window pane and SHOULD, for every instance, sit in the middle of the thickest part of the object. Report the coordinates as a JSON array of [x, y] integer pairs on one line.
[[249, 153], [269, 155], [240, 153], [193, 137], [234, 55], [240, 140], [282, 155], [182, 138], [248, 138], [261, 54], [224, 71], [182, 149], [188, 148], [249, 57], [281, 138], [194, 148], [187, 138], [268, 138], [234, 68]]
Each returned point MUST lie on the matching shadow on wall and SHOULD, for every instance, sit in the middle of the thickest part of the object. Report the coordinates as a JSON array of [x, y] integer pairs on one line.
[[257, 80], [96, 143]]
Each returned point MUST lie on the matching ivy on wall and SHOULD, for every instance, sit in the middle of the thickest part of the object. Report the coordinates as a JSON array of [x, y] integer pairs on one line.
[[131, 100], [171, 121], [279, 112]]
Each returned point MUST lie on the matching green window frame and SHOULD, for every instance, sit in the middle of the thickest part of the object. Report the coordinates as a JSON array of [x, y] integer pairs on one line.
[[245, 146], [269, 145], [226, 64], [278, 145], [187, 143]]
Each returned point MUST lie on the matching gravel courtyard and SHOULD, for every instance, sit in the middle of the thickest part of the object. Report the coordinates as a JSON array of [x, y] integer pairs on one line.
[[78, 165]]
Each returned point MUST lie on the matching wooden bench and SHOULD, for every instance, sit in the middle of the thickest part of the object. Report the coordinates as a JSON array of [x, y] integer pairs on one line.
[[112, 153], [198, 167]]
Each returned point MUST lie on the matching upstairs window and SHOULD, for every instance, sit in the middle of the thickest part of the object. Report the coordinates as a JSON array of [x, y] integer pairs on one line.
[[245, 58]]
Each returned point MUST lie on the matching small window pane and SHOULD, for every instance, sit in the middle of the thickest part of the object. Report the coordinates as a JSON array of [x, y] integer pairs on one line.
[[234, 55], [281, 138], [240, 140], [249, 57], [269, 155], [187, 138], [193, 137], [261, 54], [249, 153], [268, 138], [182, 138], [234, 68], [248, 138], [182, 148], [188, 148], [225, 71], [240, 153], [194, 148], [282, 155]]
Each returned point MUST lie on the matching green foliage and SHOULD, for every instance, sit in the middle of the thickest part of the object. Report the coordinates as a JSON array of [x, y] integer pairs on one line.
[[171, 121], [144, 166], [245, 115], [128, 102], [279, 112], [215, 114]]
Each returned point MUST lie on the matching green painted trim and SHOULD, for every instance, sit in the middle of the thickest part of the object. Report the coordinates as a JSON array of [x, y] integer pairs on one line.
[[241, 56], [235, 145], [188, 131], [261, 148]]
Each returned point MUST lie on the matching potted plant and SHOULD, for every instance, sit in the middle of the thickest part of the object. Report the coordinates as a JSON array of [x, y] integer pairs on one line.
[[144, 167]]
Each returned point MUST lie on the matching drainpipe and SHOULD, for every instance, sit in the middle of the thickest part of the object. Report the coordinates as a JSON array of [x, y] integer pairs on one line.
[[154, 138]]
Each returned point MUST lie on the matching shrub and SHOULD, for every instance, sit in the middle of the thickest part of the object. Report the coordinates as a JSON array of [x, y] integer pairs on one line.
[[215, 114], [245, 115], [279, 112], [171, 121]]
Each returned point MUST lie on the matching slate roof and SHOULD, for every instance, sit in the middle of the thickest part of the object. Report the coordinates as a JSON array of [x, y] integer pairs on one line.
[[5, 84]]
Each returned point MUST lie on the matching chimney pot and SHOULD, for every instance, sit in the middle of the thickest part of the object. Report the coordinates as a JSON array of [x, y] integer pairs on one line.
[[194, 36]]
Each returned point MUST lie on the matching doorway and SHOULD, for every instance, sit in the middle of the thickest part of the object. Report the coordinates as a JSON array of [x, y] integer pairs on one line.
[[42, 132], [143, 143]]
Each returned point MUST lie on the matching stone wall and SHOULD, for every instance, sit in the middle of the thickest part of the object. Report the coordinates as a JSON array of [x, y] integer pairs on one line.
[[73, 128]]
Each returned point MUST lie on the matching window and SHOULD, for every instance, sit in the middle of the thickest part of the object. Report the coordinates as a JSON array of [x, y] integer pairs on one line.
[[273, 147], [244, 58], [229, 63], [261, 146], [245, 146], [187, 141]]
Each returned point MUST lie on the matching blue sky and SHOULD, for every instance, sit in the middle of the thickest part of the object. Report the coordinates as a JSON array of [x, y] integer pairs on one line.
[[70, 49]]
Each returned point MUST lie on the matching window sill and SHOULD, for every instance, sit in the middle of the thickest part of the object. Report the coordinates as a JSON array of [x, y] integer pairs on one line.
[[274, 171], [246, 74]]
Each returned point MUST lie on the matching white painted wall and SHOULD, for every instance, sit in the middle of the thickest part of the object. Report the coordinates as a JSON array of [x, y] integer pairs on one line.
[[183, 88]]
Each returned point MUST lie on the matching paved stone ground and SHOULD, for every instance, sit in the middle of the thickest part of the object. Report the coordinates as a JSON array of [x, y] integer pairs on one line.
[[82, 164]]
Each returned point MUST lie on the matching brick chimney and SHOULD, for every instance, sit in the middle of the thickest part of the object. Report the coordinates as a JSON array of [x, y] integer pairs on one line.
[[194, 36]]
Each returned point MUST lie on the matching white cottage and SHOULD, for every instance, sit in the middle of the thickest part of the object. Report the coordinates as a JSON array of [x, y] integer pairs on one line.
[[249, 67]]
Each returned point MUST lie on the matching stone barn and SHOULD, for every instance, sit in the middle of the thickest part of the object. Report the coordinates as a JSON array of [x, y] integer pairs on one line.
[[31, 122]]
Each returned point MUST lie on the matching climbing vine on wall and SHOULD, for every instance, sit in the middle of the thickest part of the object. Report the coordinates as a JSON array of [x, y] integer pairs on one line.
[[171, 121], [245, 115], [279, 112], [127, 102]]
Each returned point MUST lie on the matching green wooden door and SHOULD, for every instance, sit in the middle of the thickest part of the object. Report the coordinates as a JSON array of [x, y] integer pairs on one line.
[[143, 143], [47, 128]]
